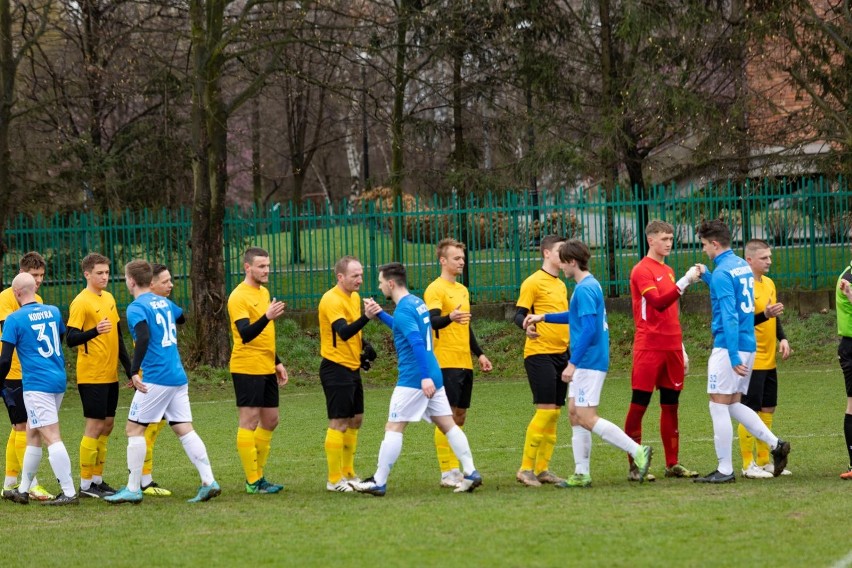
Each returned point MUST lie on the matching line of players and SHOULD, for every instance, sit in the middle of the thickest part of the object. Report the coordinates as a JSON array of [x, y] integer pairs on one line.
[[434, 343]]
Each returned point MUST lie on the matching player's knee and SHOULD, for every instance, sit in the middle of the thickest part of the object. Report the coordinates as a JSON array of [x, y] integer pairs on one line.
[[668, 396], [642, 398], [356, 421]]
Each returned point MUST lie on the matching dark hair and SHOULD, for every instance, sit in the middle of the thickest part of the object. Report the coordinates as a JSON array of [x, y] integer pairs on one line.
[[755, 245], [548, 241], [394, 271], [157, 268], [715, 230], [140, 271], [91, 259], [32, 261], [575, 249], [252, 253]]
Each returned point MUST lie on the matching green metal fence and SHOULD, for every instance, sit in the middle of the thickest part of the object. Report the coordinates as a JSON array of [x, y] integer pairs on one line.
[[808, 222]]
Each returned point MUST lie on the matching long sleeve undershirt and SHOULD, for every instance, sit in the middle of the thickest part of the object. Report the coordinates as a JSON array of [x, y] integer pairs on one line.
[[346, 331], [143, 335]]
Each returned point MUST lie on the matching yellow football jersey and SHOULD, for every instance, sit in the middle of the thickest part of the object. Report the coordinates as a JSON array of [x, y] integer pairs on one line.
[[451, 344], [335, 305], [542, 293], [97, 359], [9, 304], [257, 357], [765, 333]]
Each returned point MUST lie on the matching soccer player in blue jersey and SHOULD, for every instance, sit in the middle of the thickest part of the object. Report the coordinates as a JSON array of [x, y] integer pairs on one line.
[[734, 346], [419, 393], [588, 365], [164, 390], [35, 332]]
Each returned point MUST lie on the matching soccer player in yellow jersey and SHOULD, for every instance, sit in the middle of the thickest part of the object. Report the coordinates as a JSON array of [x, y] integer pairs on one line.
[[255, 368], [161, 285], [762, 395], [32, 263], [341, 343], [449, 309], [93, 328], [545, 357]]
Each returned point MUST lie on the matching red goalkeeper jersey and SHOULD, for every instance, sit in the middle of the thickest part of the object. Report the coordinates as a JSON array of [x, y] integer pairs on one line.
[[655, 307]]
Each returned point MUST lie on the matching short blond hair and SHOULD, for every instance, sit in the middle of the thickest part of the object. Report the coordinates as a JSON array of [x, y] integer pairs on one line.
[[655, 226], [445, 244]]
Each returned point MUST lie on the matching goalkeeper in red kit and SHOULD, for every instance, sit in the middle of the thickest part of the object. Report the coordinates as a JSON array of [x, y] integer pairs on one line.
[[659, 358]]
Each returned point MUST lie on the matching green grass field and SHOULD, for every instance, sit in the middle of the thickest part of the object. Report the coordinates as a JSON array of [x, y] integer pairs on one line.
[[781, 522]]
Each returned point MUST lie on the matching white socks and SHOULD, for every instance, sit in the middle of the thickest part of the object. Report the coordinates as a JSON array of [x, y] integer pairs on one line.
[[723, 436], [461, 447], [388, 454], [32, 459], [135, 460], [60, 461], [581, 444], [197, 452], [752, 422], [613, 435]]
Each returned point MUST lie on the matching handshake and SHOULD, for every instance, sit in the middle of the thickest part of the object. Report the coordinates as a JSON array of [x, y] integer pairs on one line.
[[692, 276], [368, 355]]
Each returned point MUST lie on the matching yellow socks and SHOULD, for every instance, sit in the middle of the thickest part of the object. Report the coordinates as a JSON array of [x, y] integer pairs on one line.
[[763, 447], [548, 442], [746, 445], [98, 469], [442, 448], [151, 433], [88, 457], [334, 454], [248, 454], [350, 444], [13, 466], [535, 433], [263, 443], [20, 446]]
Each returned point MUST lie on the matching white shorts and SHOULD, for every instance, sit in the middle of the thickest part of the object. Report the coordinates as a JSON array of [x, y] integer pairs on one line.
[[171, 403], [42, 408], [586, 386], [721, 378], [411, 405]]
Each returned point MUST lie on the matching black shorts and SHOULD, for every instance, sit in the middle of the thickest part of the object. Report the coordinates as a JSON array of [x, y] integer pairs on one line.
[[344, 391], [544, 373], [458, 384], [844, 354], [762, 389], [256, 391], [18, 412], [99, 400]]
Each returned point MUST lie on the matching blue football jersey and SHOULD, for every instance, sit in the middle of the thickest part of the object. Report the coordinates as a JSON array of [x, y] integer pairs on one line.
[[161, 364], [35, 331], [732, 300], [412, 315], [588, 299]]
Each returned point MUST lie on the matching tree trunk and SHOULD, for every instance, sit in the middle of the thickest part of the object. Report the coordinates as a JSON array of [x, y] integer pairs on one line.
[[739, 64], [7, 91], [633, 164], [609, 151], [461, 156], [256, 179], [295, 237], [397, 131], [209, 165]]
